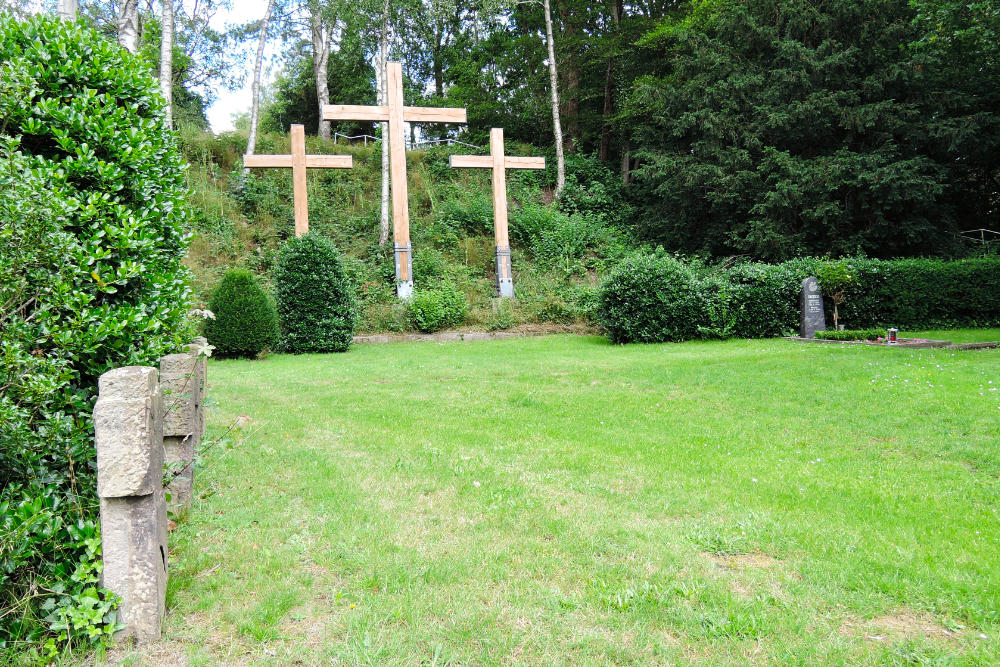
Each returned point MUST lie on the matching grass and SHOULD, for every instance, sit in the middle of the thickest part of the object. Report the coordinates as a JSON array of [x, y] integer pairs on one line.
[[562, 501]]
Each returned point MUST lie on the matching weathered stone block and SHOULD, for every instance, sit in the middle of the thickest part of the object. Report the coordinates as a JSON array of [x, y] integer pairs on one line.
[[179, 456], [134, 544], [128, 433], [180, 384]]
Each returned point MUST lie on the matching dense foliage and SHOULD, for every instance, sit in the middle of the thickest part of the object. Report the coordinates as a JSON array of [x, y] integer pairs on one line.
[[438, 308], [316, 305], [94, 227], [245, 322], [651, 298], [780, 129], [761, 300], [852, 334]]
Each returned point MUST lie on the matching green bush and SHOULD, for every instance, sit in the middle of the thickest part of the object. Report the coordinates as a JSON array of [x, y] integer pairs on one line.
[[245, 322], [436, 309], [93, 228], [904, 293], [316, 304], [852, 334], [651, 298]]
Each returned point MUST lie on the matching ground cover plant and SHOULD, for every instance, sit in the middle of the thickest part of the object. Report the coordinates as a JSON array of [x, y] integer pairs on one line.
[[567, 501]]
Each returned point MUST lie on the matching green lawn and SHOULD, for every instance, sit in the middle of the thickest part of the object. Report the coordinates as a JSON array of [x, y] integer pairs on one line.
[[561, 501]]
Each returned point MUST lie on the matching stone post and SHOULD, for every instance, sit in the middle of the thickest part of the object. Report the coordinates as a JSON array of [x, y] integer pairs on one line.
[[181, 385], [128, 431]]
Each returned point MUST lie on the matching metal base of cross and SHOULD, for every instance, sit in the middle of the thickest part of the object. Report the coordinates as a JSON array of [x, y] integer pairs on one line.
[[505, 279], [404, 270]]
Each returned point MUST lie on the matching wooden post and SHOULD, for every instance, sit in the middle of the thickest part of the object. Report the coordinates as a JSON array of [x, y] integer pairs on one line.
[[298, 162], [499, 163], [396, 115]]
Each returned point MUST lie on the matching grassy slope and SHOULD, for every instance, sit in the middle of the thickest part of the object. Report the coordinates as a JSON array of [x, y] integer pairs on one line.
[[562, 501], [450, 218]]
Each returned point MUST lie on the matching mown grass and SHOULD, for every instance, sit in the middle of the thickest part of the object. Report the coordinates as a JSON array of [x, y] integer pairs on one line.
[[563, 501]]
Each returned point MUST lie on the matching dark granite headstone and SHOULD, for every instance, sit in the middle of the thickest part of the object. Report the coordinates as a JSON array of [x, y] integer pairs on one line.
[[811, 315]]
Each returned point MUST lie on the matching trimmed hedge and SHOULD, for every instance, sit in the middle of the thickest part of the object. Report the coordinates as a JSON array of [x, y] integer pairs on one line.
[[762, 300], [316, 306], [245, 323], [852, 334], [905, 293], [651, 298]]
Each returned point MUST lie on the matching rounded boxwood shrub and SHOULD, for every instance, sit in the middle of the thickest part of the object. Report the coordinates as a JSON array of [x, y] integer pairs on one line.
[[245, 323], [93, 229], [316, 305], [651, 298], [435, 309]]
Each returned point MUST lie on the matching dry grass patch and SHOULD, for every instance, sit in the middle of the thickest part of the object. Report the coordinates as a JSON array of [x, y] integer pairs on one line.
[[899, 625]]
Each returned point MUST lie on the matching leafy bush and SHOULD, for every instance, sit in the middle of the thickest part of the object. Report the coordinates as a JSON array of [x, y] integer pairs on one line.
[[651, 298], [852, 334], [316, 304], [245, 322], [436, 309], [905, 293], [93, 228]]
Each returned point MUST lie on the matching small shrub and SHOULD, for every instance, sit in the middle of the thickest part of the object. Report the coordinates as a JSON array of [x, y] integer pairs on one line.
[[651, 298], [436, 309], [852, 334], [316, 304], [245, 322], [503, 318]]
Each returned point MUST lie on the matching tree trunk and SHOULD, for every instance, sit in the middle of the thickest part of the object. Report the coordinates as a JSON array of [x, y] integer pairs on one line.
[[617, 8], [258, 64], [128, 26], [554, 85], [383, 98], [321, 60], [68, 9], [167, 59]]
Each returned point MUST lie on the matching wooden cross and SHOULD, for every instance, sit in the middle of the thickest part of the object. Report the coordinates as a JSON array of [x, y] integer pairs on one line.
[[499, 164], [298, 162], [396, 114]]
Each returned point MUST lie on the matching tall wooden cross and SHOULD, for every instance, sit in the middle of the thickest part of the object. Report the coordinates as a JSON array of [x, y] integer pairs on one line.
[[298, 162], [499, 163], [396, 114]]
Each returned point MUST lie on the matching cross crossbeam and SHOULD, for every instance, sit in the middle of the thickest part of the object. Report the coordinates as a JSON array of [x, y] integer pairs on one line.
[[499, 163], [395, 114], [298, 162]]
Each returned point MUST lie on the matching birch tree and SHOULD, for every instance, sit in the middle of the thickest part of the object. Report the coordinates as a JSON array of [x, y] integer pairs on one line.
[[320, 29], [68, 9], [128, 26], [554, 85], [383, 98], [167, 58], [258, 63]]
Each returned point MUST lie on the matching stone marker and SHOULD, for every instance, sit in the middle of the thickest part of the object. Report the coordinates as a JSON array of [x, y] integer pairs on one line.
[[180, 384], [128, 431], [198, 349], [812, 317]]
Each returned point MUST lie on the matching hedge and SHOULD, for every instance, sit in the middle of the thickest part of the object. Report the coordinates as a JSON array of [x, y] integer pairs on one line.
[[753, 300], [316, 304], [245, 322], [93, 231]]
